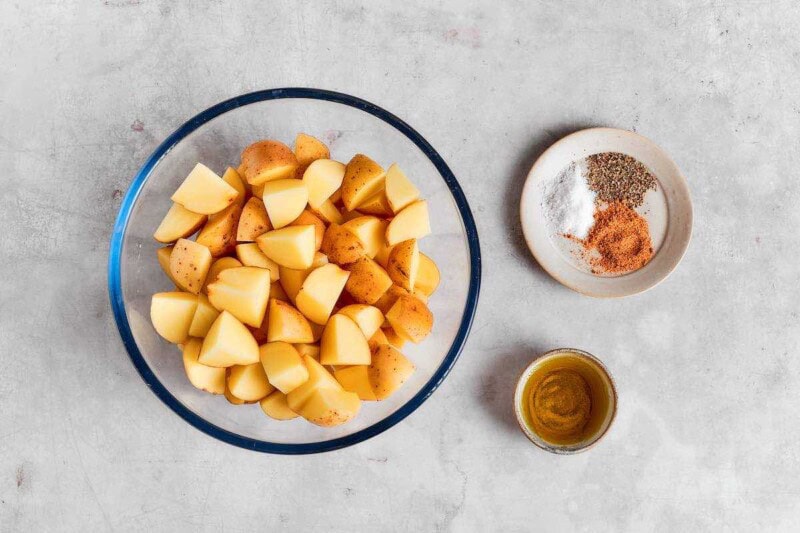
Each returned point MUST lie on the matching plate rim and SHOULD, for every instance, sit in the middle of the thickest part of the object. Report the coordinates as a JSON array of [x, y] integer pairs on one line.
[[115, 274]]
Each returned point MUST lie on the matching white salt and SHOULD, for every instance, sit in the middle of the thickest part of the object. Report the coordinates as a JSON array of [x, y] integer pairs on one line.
[[568, 203]]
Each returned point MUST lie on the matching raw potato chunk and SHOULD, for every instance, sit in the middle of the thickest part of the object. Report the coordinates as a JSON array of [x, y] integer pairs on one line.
[[219, 233], [284, 366], [171, 314], [284, 200], [400, 192], [223, 263], [308, 149], [368, 281], [189, 263], [320, 291], [292, 279], [243, 292], [382, 257], [347, 216], [330, 407], [178, 223], [388, 371], [204, 317], [369, 319], [377, 204], [291, 247], [249, 382], [228, 396], [275, 406], [311, 350], [232, 178], [370, 230], [204, 192], [251, 255], [276, 291], [363, 177], [163, 261], [328, 212], [268, 160], [253, 222], [322, 178], [341, 246], [427, 276], [388, 299], [206, 378], [343, 343], [403, 265], [355, 379], [308, 218], [410, 223], [393, 338], [318, 378], [410, 318], [377, 339], [287, 324], [228, 343]]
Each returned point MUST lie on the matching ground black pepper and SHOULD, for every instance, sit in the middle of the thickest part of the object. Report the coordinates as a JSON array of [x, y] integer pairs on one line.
[[617, 177]]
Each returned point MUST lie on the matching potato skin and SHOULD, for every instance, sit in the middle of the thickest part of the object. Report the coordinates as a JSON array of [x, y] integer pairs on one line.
[[262, 156], [341, 246], [308, 149], [402, 262], [362, 178], [308, 218], [253, 222], [219, 233], [388, 371], [367, 281], [410, 318]]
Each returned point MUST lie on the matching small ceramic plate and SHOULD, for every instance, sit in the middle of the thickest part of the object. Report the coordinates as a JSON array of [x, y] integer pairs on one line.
[[668, 211]]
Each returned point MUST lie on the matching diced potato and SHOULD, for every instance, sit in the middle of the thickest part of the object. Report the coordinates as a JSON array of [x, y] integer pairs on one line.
[[368, 318], [371, 231], [403, 266], [330, 407], [251, 255], [275, 406], [410, 318], [189, 263], [163, 261], [388, 371], [336, 197], [228, 343], [328, 212], [243, 292], [308, 218], [276, 291], [268, 160], [178, 223], [308, 149], [377, 204], [410, 223], [363, 177], [204, 192], [171, 314], [377, 339], [311, 350], [347, 216], [284, 366], [322, 178], [291, 247], [292, 279], [382, 257], [400, 192], [287, 324], [257, 191], [316, 331], [341, 246], [393, 338], [284, 200], [232, 178], [387, 300], [320, 291], [318, 378], [355, 379], [204, 317], [228, 395], [220, 264], [253, 222], [427, 276], [261, 333], [219, 233], [249, 382], [343, 343], [368, 281], [205, 378]]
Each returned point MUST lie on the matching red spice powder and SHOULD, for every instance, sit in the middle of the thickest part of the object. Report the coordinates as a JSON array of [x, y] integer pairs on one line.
[[621, 238]]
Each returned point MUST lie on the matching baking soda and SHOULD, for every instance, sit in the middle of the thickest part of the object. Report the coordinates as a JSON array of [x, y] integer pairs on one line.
[[568, 203]]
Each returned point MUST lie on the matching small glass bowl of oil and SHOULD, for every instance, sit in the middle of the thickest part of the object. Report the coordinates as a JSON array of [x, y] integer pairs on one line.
[[565, 401]]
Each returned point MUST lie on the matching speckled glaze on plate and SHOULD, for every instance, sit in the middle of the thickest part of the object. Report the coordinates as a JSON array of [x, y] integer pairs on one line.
[[677, 228]]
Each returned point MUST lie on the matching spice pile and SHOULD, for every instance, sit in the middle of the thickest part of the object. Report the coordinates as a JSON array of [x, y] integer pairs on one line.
[[610, 186]]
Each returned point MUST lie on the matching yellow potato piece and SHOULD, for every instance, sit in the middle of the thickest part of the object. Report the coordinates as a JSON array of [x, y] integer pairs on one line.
[[163, 261], [253, 222], [370, 230], [328, 212], [393, 338], [275, 406], [388, 371], [251, 255], [268, 160], [403, 264], [343, 343], [228, 343], [368, 282], [284, 201], [320, 291], [410, 223], [204, 192], [220, 264], [308, 149], [378, 338], [205, 378], [308, 218], [284, 366], [228, 395], [178, 223], [400, 192], [355, 379], [410, 318], [290, 247], [243, 292], [287, 324], [311, 350], [219, 233], [204, 317], [249, 382], [189, 263], [330, 407], [276, 291], [171, 314], [363, 177], [318, 378], [292, 279], [377, 204], [341, 245], [368, 318], [427, 276], [322, 178], [387, 300], [234, 179]]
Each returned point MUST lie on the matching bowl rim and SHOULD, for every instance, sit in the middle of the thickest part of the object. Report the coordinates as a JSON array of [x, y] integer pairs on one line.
[[115, 275]]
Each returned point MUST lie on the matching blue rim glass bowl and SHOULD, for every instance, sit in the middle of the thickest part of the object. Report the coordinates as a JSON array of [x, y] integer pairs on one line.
[[216, 137]]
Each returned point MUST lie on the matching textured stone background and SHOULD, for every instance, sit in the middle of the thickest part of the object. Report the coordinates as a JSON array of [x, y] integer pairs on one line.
[[706, 364]]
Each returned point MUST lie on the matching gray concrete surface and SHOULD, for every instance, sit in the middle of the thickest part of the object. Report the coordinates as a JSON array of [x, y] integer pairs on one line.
[[706, 364]]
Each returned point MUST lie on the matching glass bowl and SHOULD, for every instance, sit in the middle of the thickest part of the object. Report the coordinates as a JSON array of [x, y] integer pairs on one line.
[[216, 137]]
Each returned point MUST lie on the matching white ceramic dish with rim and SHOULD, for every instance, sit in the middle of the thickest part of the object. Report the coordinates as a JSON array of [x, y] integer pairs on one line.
[[674, 224]]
